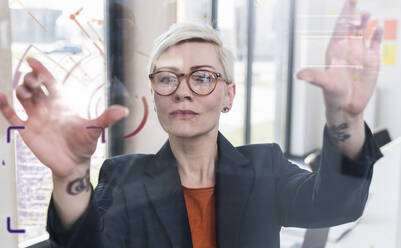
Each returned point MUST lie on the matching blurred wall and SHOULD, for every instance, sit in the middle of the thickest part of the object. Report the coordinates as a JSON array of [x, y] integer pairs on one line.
[[307, 104], [8, 206], [308, 111], [388, 114], [151, 19]]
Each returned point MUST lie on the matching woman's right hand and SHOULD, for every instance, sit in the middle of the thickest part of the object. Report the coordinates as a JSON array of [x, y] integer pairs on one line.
[[60, 139]]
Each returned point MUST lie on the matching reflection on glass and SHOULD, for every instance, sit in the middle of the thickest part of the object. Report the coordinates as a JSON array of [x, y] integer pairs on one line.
[[255, 197], [67, 37]]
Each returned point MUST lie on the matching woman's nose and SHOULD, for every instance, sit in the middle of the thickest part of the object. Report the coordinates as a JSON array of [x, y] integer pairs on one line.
[[183, 91]]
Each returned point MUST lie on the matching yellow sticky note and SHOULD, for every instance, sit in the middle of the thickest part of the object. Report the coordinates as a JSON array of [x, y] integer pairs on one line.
[[389, 54]]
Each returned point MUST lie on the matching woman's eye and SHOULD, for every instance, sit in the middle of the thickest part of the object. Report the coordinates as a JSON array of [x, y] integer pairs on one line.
[[203, 79], [167, 79]]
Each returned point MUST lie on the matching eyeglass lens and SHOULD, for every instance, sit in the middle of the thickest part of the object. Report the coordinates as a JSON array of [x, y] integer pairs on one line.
[[201, 82]]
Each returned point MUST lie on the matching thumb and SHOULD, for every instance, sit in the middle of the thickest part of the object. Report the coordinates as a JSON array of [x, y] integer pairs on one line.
[[315, 77], [110, 116]]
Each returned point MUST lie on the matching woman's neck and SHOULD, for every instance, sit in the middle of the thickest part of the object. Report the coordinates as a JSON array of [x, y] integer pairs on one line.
[[196, 158]]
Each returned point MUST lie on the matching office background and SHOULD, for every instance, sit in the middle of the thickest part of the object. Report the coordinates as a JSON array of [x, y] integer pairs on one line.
[[271, 41]]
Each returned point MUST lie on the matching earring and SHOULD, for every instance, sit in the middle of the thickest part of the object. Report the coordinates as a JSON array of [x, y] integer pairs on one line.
[[226, 109]]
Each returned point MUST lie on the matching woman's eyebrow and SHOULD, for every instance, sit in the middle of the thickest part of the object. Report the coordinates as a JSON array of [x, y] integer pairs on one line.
[[200, 66], [176, 69], [167, 67]]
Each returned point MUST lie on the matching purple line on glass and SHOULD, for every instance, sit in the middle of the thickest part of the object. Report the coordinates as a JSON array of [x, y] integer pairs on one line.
[[3, 163], [103, 134], [9, 131], [13, 230]]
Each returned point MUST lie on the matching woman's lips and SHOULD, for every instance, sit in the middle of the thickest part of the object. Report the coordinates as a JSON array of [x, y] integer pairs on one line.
[[183, 114], [183, 111]]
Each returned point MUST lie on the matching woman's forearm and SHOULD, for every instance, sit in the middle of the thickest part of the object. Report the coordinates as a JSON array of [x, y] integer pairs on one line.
[[71, 195], [347, 132]]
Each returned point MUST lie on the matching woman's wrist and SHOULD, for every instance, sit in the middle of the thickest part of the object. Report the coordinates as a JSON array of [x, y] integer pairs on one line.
[[346, 131], [78, 172]]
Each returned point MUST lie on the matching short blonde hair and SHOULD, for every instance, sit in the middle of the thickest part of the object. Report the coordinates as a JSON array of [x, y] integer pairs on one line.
[[192, 31]]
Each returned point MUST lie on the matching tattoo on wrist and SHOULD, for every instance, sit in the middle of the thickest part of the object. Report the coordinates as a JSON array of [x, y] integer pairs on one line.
[[79, 185], [337, 132]]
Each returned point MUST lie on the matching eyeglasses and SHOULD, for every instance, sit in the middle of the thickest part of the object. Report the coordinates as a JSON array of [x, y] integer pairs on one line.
[[201, 82]]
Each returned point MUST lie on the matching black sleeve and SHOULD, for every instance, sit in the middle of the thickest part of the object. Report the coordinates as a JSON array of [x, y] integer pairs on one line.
[[333, 195], [104, 222]]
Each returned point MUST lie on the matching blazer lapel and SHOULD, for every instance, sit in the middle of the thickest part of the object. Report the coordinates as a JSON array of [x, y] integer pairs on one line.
[[164, 188], [234, 181]]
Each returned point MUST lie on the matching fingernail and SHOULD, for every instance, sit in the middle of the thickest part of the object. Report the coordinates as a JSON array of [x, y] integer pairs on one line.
[[25, 94], [305, 77], [126, 110]]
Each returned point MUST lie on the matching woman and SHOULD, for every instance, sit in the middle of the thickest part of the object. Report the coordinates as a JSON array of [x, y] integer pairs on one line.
[[199, 190]]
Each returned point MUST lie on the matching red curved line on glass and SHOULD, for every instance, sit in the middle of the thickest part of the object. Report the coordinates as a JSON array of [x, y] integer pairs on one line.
[[17, 73], [97, 106], [91, 100], [142, 124], [82, 70], [74, 67]]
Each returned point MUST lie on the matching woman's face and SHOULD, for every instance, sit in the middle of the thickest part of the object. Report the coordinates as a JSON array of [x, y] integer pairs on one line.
[[184, 58]]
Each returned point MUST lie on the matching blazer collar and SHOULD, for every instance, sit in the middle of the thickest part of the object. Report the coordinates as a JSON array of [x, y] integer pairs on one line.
[[234, 180]]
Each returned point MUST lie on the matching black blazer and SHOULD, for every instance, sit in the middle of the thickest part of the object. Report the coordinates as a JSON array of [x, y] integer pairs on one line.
[[139, 200]]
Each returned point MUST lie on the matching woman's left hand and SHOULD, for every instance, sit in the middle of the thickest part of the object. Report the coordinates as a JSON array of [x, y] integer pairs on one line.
[[352, 67]]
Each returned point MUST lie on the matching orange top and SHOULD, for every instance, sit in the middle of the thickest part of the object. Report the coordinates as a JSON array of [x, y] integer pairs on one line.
[[201, 208]]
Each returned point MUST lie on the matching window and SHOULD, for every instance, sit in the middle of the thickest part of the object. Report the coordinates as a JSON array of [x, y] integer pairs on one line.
[[266, 66]]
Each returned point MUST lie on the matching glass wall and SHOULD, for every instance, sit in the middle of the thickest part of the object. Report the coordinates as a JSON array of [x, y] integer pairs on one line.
[[68, 38], [358, 198]]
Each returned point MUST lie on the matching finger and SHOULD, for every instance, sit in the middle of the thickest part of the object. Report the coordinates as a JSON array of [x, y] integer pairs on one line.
[[376, 40], [25, 97], [110, 116], [348, 9], [346, 18], [43, 75], [23, 93], [32, 104], [33, 86], [31, 82], [39, 96], [8, 112], [365, 16], [353, 31], [315, 77]]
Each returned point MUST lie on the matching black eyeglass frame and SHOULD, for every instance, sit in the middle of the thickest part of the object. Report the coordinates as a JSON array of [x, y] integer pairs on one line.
[[216, 77]]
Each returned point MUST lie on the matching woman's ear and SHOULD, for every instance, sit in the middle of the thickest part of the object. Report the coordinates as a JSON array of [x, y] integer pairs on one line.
[[229, 96], [233, 86]]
